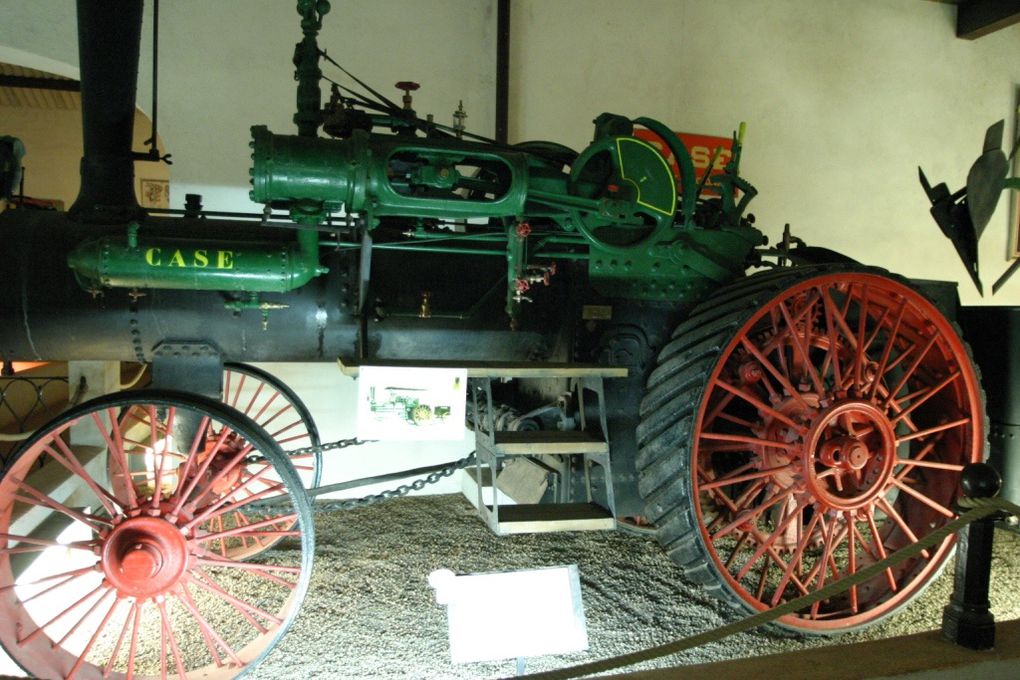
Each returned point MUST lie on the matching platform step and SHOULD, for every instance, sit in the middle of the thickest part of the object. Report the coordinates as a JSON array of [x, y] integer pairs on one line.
[[552, 517], [548, 442], [493, 369]]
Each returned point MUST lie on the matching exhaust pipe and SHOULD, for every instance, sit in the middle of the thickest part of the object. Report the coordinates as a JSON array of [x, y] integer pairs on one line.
[[109, 41]]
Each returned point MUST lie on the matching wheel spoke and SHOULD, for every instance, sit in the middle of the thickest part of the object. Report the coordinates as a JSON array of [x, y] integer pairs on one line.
[[260, 570], [250, 529], [69, 460], [832, 358], [256, 417], [210, 644], [43, 543], [247, 409], [775, 372], [883, 364], [237, 393], [897, 518], [907, 374], [851, 559], [131, 616], [208, 628], [95, 606], [771, 540], [115, 447], [246, 609], [795, 559], [829, 531], [932, 430], [276, 415], [937, 507], [880, 547], [748, 516], [796, 341], [737, 548], [38, 499], [737, 478], [71, 573], [61, 614], [750, 441], [160, 455], [910, 463], [72, 576], [223, 506], [761, 406]]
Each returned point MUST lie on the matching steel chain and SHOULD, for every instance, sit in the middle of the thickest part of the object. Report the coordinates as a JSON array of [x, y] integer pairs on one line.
[[402, 490], [364, 501], [322, 448]]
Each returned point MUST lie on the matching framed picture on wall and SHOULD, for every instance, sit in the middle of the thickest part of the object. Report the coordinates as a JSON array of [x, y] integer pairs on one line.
[[154, 193], [1014, 225], [1014, 196]]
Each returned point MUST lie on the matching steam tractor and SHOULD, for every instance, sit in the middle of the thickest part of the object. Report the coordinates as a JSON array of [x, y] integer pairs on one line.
[[779, 418]]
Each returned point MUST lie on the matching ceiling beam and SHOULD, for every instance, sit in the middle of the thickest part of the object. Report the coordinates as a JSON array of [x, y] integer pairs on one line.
[[976, 18], [40, 83]]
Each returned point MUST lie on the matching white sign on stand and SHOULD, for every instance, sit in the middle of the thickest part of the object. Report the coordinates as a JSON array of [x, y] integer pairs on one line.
[[411, 403], [516, 614]]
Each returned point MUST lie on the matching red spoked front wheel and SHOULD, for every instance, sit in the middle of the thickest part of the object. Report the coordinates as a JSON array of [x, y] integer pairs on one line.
[[801, 426], [109, 566]]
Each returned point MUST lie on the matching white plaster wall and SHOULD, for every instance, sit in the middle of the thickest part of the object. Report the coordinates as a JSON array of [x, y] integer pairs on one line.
[[226, 65], [53, 144], [843, 101], [331, 398]]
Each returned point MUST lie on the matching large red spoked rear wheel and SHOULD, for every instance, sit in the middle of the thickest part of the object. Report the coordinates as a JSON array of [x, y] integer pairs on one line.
[[280, 412], [120, 575], [276, 408], [801, 426]]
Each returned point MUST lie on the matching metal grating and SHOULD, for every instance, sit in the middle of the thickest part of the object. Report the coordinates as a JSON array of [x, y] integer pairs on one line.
[[26, 403]]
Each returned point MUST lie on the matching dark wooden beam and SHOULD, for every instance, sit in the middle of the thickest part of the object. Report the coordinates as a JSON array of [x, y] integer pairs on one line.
[[976, 18], [40, 83]]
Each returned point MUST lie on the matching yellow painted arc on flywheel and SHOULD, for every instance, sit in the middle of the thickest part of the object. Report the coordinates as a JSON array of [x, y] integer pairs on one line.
[[645, 168]]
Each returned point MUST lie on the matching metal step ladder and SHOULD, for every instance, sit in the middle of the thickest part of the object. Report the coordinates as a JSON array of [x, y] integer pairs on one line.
[[559, 453], [555, 451]]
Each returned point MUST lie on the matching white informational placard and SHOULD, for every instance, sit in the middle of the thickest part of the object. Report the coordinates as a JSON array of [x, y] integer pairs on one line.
[[513, 614], [411, 403]]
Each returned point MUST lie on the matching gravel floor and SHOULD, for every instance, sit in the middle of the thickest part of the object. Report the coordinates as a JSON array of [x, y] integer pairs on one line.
[[370, 613]]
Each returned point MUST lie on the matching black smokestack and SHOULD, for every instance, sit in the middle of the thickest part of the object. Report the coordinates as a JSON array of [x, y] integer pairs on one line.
[[109, 40]]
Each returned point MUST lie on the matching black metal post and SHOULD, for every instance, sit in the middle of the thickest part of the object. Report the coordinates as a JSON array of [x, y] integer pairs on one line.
[[967, 620], [502, 70]]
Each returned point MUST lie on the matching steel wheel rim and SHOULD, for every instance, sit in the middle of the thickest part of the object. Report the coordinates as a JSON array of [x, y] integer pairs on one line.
[[778, 478], [145, 593]]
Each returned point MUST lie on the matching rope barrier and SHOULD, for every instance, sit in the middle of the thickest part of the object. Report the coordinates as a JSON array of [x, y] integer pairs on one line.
[[979, 508]]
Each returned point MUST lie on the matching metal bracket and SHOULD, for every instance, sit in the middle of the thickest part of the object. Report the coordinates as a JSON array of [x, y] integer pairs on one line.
[[189, 366]]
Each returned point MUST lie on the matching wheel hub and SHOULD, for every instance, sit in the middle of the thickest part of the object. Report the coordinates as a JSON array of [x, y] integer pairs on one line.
[[849, 455], [144, 556]]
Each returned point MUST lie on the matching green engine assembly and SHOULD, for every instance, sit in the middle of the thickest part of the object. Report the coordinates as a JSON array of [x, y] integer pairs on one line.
[[390, 176], [618, 198]]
